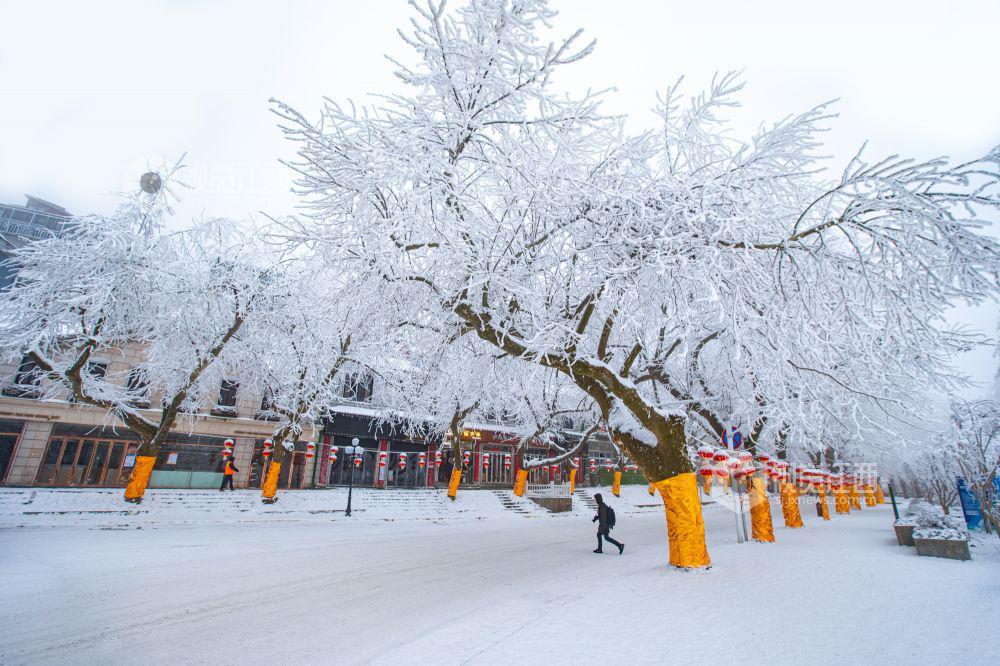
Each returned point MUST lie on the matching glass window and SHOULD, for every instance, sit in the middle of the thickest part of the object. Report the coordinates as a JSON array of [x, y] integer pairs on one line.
[[227, 393], [96, 472], [82, 462], [137, 386], [66, 462], [28, 372], [47, 471]]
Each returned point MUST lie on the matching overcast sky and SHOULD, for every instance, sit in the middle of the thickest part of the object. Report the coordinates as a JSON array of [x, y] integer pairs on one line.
[[92, 92]]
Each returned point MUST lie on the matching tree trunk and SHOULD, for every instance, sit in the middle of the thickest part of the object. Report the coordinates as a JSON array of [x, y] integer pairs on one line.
[[669, 465], [269, 489], [138, 480]]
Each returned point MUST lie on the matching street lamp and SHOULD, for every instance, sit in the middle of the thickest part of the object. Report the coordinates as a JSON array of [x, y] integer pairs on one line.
[[355, 453]]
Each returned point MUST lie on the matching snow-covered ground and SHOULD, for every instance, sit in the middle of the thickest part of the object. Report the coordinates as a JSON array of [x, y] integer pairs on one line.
[[485, 585]]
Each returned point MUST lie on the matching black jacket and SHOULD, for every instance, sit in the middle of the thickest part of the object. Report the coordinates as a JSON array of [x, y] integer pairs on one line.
[[602, 517]]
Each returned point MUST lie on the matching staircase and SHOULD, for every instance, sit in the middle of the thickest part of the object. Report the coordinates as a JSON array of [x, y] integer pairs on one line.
[[587, 500], [518, 505]]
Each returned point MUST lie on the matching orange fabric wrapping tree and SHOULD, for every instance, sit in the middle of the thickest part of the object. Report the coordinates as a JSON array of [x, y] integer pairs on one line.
[[870, 496], [760, 512], [139, 478], [841, 502], [572, 481], [616, 485], [685, 526], [879, 494], [519, 483], [855, 498], [821, 498], [456, 478], [790, 506], [269, 492]]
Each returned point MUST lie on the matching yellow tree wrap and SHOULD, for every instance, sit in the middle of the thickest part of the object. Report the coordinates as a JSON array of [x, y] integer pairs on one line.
[[822, 503], [616, 485], [870, 496], [790, 506], [519, 483], [841, 502], [139, 478], [706, 485], [685, 526], [879, 494], [760, 512], [270, 488], [652, 489], [855, 498], [572, 481], [456, 478]]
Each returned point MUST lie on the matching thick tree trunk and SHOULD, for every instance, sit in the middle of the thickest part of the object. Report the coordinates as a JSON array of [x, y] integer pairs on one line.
[[668, 464], [138, 480]]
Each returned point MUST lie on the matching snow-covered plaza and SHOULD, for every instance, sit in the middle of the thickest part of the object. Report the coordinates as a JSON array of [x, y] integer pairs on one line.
[[216, 581], [451, 295]]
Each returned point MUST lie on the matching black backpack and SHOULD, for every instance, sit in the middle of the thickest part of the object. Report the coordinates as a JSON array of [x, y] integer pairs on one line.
[[610, 513]]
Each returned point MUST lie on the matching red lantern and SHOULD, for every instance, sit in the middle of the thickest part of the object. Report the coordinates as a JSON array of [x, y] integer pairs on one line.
[[268, 447], [706, 472], [486, 461], [593, 466], [421, 460], [608, 465], [720, 456], [332, 455], [705, 452], [506, 461], [358, 459], [310, 449], [227, 448], [437, 457], [465, 458], [402, 461], [721, 472], [383, 457], [745, 456], [763, 457], [553, 470]]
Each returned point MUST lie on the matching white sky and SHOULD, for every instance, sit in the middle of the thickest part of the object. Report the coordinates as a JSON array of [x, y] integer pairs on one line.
[[90, 93]]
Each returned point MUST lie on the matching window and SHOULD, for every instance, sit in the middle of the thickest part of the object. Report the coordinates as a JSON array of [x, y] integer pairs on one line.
[[27, 380], [226, 404], [28, 372], [137, 387], [267, 411], [227, 394], [359, 387], [95, 370]]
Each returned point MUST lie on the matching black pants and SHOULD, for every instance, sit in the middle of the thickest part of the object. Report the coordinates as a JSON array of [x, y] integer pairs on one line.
[[607, 536], [227, 479]]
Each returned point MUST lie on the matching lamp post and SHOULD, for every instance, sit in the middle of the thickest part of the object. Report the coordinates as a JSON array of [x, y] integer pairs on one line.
[[354, 451]]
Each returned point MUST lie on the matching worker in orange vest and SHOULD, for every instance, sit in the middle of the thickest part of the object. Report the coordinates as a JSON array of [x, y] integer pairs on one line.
[[227, 475]]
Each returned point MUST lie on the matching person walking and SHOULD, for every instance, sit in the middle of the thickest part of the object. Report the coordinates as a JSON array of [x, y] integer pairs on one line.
[[227, 475], [605, 520]]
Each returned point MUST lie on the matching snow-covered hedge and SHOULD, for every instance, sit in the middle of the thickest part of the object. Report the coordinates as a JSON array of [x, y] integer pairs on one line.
[[931, 524]]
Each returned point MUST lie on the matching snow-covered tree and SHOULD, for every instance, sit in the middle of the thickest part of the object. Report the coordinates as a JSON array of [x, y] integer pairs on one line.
[[976, 451], [527, 218], [121, 282]]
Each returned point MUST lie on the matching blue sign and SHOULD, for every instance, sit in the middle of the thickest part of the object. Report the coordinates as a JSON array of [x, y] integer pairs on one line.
[[737, 440], [970, 505]]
